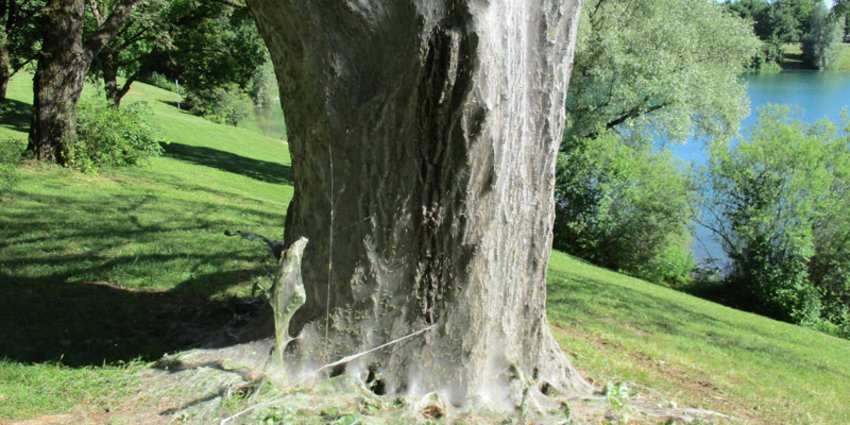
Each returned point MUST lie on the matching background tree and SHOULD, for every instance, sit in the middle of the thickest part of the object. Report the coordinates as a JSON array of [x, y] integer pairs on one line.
[[134, 50], [66, 54], [18, 37], [624, 208], [822, 40], [217, 53], [207, 45], [423, 141], [666, 66]]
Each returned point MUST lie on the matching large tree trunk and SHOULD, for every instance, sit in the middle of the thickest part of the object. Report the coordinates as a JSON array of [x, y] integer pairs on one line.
[[62, 67], [423, 137]]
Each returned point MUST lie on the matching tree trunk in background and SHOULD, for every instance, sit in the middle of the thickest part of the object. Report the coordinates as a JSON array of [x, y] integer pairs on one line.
[[5, 69], [423, 138], [62, 67], [110, 78]]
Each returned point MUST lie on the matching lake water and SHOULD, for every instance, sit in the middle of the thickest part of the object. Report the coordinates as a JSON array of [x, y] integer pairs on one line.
[[818, 95]]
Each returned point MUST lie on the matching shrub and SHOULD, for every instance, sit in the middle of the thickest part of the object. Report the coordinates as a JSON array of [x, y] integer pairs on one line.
[[112, 137], [228, 104], [158, 80], [10, 156], [780, 201], [624, 208]]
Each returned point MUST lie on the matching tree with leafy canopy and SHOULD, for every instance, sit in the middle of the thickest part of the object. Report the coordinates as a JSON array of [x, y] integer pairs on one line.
[[423, 139], [133, 50], [822, 40], [204, 44], [66, 54], [214, 45], [775, 23], [666, 67]]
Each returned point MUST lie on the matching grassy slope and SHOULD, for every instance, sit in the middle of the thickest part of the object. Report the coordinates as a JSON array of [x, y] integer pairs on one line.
[[697, 352], [75, 250]]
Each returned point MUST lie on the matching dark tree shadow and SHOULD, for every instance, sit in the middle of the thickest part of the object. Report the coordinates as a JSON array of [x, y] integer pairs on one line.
[[792, 61], [178, 105], [267, 171], [58, 305], [94, 323], [15, 115]]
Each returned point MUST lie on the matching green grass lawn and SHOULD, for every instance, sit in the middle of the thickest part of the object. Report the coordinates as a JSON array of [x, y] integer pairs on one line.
[[696, 352], [101, 274]]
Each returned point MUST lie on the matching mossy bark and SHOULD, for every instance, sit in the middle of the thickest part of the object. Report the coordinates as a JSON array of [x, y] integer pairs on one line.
[[423, 136]]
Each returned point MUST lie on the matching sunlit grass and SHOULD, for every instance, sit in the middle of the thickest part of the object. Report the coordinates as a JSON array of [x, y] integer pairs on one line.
[[696, 352]]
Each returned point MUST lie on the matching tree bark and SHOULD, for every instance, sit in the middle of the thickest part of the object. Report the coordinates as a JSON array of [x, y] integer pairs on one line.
[[110, 78], [423, 138], [59, 78], [5, 69], [8, 17]]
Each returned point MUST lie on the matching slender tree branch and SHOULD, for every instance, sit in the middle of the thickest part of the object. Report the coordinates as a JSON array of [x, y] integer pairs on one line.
[[96, 12], [112, 25]]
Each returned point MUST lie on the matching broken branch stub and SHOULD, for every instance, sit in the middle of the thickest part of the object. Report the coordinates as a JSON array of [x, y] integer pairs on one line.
[[287, 294]]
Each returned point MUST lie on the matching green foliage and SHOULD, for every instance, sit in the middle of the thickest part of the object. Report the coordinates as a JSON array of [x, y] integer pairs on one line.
[[663, 66], [10, 156], [619, 398], [227, 104], [822, 40], [144, 40], [212, 45], [19, 33], [770, 56], [780, 200], [112, 137], [158, 80], [264, 89], [624, 208], [775, 23], [786, 20]]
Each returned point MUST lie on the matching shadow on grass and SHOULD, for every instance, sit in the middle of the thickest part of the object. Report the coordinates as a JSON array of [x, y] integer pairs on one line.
[[94, 323], [58, 301], [15, 115], [267, 171], [179, 105]]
